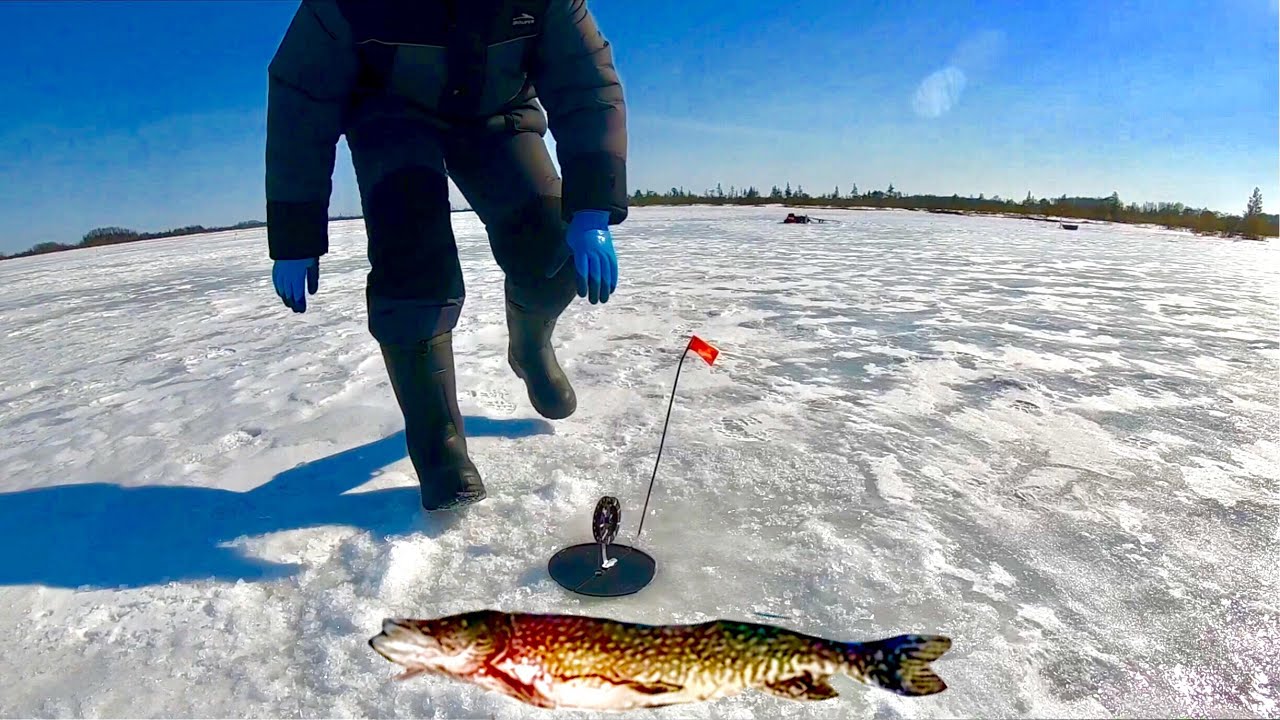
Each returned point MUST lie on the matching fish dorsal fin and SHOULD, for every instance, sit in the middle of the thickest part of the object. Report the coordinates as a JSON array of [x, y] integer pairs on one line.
[[801, 687]]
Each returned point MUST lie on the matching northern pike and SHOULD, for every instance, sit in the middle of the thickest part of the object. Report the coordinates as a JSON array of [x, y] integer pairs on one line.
[[589, 663]]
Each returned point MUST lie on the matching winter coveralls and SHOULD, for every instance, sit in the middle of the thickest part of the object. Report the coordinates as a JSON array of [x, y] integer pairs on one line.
[[432, 89]]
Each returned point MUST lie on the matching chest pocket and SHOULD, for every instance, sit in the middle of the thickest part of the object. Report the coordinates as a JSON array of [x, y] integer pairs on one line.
[[518, 23], [460, 57], [401, 47]]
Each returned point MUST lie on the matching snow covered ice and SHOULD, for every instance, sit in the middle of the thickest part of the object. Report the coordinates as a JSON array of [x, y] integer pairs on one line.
[[1058, 448]]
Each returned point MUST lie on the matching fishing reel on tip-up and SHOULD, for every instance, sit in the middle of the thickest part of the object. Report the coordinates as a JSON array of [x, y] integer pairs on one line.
[[604, 527], [603, 568]]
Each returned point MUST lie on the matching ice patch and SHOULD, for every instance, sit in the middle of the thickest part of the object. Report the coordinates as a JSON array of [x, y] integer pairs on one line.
[[1127, 400], [889, 482], [1215, 481]]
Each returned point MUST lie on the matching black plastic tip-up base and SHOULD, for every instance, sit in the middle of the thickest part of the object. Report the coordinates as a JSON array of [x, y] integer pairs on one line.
[[578, 569]]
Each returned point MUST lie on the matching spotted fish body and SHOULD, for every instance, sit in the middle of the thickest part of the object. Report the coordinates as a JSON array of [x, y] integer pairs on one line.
[[568, 661]]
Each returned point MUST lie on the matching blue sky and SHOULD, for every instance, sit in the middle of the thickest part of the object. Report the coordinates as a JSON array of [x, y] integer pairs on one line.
[[151, 114]]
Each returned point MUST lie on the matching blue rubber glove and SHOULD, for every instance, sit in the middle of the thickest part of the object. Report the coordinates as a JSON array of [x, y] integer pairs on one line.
[[591, 245], [289, 277]]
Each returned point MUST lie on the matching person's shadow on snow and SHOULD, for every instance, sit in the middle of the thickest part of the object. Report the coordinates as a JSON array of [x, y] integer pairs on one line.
[[100, 535]]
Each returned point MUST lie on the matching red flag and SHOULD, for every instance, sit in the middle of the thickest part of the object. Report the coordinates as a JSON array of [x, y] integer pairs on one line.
[[704, 349]]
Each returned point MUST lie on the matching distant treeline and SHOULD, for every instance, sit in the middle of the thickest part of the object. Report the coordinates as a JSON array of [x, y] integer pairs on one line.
[[1253, 223], [118, 235]]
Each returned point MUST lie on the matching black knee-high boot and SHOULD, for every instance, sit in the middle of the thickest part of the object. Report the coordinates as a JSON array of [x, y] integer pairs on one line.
[[531, 356], [422, 377]]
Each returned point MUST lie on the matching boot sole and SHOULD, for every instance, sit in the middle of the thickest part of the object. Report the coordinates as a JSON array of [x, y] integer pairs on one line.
[[458, 502]]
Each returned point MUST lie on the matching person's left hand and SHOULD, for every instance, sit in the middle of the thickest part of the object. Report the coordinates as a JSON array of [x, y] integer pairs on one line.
[[291, 276], [591, 245]]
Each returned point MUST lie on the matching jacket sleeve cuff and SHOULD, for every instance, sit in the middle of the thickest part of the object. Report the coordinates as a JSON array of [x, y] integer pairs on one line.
[[297, 230], [594, 181]]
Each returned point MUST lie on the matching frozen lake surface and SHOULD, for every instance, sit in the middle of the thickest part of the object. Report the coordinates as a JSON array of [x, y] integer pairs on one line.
[[1059, 448]]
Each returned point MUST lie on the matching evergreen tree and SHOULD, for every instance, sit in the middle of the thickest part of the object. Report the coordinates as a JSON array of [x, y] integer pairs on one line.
[[1254, 224], [1255, 203]]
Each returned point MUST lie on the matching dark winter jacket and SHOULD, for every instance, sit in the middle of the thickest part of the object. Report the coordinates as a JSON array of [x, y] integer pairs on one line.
[[457, 64]]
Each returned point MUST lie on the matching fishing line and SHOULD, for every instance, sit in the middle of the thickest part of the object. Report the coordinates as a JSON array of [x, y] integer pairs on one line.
[[665, 423]]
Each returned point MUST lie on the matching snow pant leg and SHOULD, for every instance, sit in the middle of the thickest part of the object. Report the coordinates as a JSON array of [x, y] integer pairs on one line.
[[414, 289], [509, 180]]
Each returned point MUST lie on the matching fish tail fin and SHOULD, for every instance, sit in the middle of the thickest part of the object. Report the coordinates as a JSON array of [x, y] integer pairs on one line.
[[900, 664]]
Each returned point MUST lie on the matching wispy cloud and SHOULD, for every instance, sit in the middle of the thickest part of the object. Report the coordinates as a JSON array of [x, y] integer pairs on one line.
[[940, 91]]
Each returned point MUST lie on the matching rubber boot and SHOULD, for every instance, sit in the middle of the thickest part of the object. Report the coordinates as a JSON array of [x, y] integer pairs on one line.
[[423, 380], [530, 355]]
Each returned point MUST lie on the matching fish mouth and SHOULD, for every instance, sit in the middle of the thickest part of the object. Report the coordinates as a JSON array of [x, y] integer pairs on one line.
[[383, 643], [378, 643], [399, 642]]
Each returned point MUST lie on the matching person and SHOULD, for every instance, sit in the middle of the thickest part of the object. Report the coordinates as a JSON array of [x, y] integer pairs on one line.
[[463, 89]]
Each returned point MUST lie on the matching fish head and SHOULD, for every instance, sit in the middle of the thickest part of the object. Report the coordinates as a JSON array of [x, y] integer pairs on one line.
[[456, 645]]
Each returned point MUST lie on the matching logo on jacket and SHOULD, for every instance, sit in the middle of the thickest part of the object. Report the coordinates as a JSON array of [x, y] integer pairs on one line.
[[522, 19]]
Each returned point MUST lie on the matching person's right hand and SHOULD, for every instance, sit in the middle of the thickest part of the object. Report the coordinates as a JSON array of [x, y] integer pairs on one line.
[[289, 277], [590, 244]]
